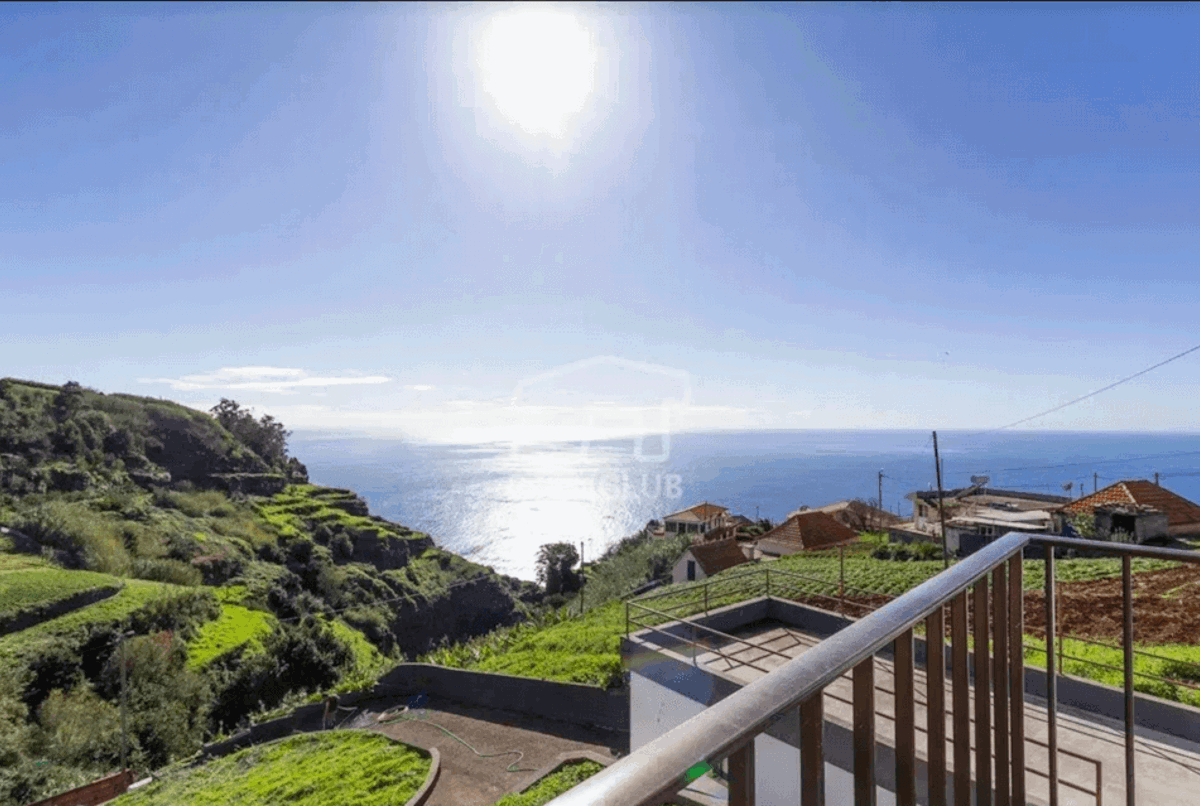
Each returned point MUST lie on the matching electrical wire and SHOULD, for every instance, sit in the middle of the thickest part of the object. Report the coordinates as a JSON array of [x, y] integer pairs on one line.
[[1113, 385]]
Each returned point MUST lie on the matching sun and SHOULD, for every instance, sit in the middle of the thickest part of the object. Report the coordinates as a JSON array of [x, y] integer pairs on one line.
[[538, 66]]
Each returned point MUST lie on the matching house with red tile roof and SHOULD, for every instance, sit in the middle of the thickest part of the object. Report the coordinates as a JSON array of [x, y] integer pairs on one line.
[[805, 531], [1140, 508], [702, 560], [700, 518]]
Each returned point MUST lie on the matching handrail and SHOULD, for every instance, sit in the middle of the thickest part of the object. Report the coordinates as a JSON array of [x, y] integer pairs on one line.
[[659, 769]]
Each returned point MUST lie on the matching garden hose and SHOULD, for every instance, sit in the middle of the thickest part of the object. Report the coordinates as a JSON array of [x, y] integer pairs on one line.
[[403, 714]]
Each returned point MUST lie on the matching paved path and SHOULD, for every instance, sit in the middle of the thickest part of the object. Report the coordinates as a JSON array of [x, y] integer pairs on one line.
[[468, 779], [1168, 769]]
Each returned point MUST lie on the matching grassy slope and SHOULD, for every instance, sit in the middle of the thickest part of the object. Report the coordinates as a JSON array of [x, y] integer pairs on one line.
[[587, 649], [552, 785], [133, 596], [31, 588], [236, 626], [348, 768]]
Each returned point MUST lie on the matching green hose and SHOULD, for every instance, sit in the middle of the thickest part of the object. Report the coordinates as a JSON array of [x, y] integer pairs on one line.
[[403, 715]]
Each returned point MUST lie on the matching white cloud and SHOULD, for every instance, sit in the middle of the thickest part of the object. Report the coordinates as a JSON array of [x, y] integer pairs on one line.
[[419, 387], [263, 379]]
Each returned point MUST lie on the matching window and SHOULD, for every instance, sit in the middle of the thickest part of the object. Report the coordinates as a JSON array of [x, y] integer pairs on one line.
[[691, 570]]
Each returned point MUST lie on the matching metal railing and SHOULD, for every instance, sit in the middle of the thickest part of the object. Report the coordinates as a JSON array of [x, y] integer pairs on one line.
[[725, 731]]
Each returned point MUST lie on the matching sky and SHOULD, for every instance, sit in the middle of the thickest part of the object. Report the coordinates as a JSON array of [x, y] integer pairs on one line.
[[473, 222]]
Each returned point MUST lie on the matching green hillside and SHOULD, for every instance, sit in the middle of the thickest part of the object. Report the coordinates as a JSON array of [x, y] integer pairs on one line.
[[240, 588]]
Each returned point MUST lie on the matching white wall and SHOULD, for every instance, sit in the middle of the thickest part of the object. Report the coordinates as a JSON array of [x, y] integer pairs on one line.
[[655, 709], [679, 572]]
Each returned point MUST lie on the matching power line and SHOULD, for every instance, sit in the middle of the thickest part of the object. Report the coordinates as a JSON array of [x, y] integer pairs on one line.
[[1090, 394]]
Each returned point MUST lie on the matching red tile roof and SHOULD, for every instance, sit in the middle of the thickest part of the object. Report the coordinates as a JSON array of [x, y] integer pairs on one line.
[[811, 530], [717, 555], [701, 512], [1180, 511]]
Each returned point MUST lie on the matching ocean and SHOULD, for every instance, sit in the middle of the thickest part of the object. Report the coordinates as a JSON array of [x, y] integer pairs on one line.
[[496, 505]]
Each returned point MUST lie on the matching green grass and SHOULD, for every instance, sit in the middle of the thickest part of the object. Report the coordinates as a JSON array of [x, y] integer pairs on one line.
[[27, 589], [348, 768], [136, 594], [1178, 666], [564, 646], [237, 626], [570, 649], [368, 662], [553, 785]]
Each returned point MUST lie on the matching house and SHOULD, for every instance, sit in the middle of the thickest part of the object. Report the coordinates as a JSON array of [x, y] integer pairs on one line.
[[702, 560], [805, 531], [858, 515], [978, 526], [700, 518], [1138, 507], [965, 501]]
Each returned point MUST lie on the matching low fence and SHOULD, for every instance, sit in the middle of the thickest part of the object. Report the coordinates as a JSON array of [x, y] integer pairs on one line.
[[91, 794]]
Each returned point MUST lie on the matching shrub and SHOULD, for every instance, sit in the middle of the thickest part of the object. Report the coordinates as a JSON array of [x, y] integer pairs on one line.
[[165, 570], [80, 729]]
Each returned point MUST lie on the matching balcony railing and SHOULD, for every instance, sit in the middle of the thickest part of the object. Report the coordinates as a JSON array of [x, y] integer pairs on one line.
[[991, 627]]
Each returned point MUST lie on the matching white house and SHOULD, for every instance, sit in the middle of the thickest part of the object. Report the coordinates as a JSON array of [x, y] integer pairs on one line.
[[702, 560]]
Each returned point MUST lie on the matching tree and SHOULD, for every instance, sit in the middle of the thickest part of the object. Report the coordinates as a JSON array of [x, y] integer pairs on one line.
[[68, 401], [554, 564], [266, 437]]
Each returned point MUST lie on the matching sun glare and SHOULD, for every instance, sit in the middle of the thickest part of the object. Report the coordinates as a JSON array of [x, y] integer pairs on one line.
[[538, 66]]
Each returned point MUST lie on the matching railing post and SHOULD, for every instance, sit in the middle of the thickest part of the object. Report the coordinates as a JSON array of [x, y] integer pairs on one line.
[[1016, 679], [864, 733], [983, 726], [1051, 679], [906, 756], [961, 699], [1127, 607], [812, 752], [768, 570], [706, 598], [935, 675], [842, 579], [741, 776], [1000, 680]]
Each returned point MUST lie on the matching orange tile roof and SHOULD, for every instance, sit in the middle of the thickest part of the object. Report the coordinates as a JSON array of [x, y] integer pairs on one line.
[[812, 529], [1179, 510], [700, 511], [717, 555]]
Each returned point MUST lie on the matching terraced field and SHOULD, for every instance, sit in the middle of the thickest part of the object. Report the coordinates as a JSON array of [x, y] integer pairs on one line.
[[27, 592], [135, 595]]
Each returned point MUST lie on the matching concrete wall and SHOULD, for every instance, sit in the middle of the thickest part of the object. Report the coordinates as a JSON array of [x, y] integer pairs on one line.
[[572, 703]]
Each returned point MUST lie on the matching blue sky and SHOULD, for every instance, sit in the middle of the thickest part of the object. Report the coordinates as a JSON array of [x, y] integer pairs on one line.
[[786, 216]]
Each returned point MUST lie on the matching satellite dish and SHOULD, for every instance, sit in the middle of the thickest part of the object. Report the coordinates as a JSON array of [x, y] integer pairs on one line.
[[979, 481], [1067, 487]]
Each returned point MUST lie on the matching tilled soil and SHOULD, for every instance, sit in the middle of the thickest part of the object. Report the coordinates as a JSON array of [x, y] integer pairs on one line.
[[1166, 608]]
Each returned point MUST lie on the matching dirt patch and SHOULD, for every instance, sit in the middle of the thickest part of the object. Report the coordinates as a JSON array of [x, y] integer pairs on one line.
[[1165, 608]]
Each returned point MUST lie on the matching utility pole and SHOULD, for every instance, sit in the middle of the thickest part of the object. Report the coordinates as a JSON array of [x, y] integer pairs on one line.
[[1095, 481], [941, 510], [879, 500], [582, 580], [124, 709]]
